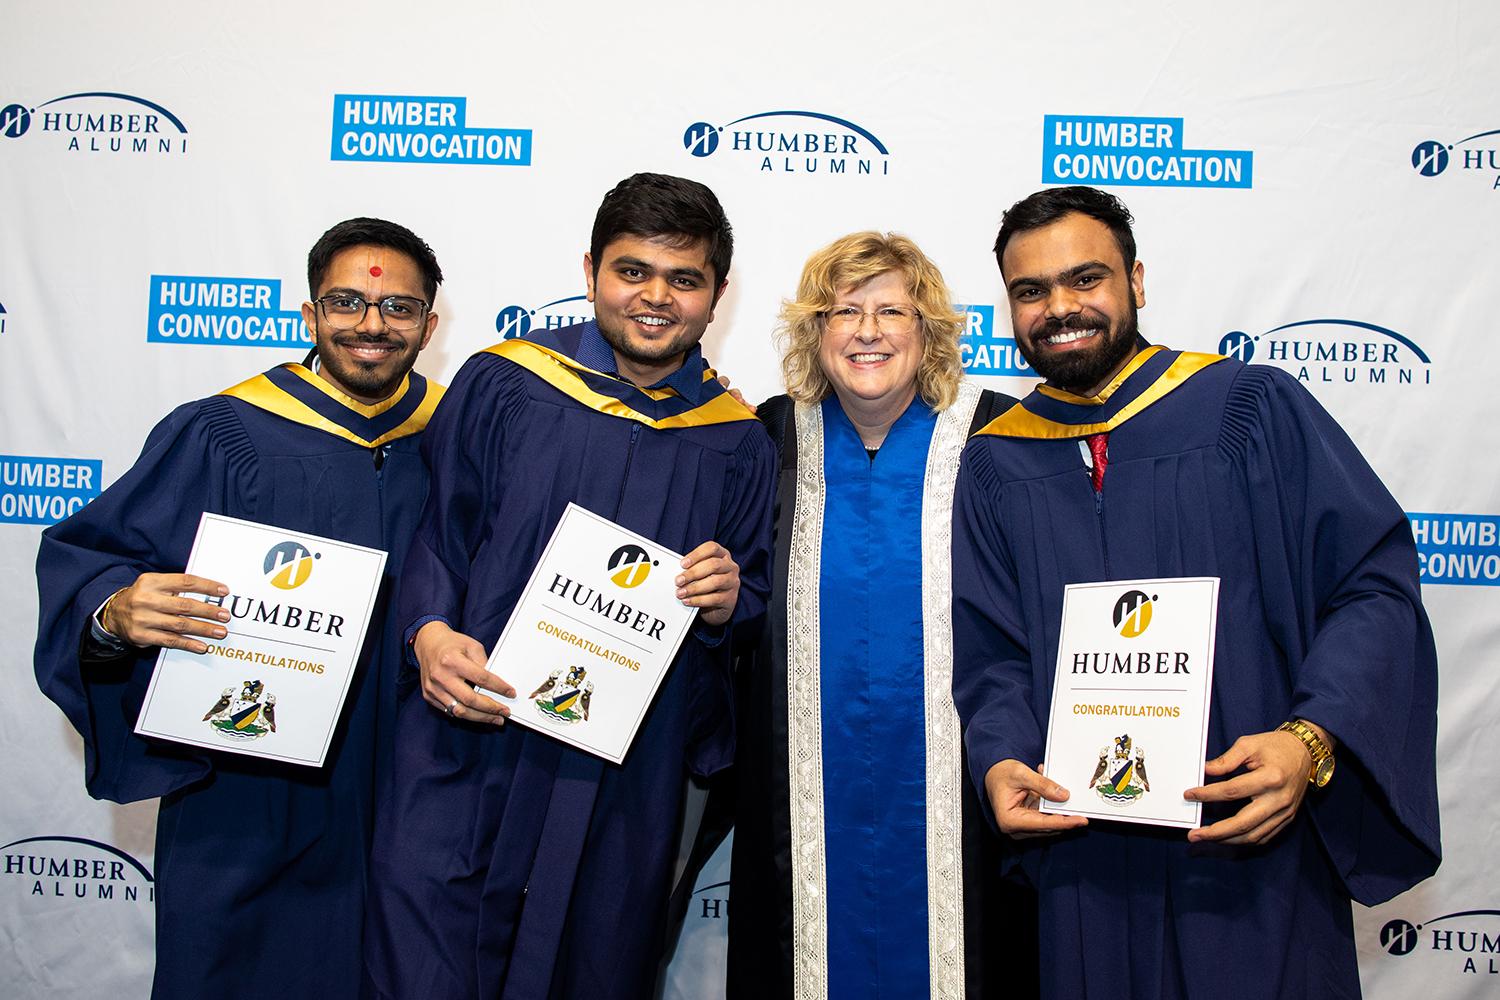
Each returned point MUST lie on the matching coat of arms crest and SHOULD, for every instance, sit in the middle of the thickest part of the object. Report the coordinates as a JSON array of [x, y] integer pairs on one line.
[[1120, 779], [247, 714], [565, 696]]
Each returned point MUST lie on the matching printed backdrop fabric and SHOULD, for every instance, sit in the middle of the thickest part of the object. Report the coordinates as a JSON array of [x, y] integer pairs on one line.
[[1316, 188]]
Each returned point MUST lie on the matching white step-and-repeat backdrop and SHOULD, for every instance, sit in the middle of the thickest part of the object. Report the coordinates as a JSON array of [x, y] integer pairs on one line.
[[1317, 188]]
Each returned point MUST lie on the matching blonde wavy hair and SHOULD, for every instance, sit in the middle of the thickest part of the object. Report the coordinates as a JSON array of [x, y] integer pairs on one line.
[[849, 262]]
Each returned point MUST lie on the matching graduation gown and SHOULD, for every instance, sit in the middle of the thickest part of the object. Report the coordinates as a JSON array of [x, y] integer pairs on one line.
[[260, 866], [1215, 469], [861, 866], [514, 865]]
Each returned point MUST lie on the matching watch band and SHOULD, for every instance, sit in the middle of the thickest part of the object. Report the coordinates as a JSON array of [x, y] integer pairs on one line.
[[1321, 770]]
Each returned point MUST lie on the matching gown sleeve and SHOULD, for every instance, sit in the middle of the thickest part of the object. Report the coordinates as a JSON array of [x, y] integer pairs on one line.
[[992, 674], [462, 449], [745, 530], [746, 523], [198, 459], [1340, 582]]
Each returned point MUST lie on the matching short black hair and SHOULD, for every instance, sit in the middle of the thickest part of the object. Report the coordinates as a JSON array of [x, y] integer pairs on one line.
[[378, 233], [657, 206], [1050, 204]]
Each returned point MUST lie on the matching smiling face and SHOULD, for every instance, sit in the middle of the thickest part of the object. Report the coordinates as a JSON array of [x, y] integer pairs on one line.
[[1073, 302], [368, 362], [653, 298], [866, 366]]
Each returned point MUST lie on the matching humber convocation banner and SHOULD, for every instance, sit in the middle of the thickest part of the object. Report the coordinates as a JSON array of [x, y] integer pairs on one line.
[[274, 686]]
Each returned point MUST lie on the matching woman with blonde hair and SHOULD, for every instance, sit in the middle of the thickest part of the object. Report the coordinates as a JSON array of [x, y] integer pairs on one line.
[[856, 861]]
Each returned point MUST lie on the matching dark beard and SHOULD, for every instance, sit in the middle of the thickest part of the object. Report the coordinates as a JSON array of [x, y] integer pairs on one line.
[[365, 378], [664, 352], [1081, 371]]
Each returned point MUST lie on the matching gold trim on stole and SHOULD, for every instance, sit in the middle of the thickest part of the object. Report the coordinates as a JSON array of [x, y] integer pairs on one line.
[[1102, 396], [1022, 423], [264, 394], [557, 370]]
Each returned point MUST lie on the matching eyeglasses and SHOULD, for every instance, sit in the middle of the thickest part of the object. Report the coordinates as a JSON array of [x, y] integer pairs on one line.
[[889, 320], [345, 310]]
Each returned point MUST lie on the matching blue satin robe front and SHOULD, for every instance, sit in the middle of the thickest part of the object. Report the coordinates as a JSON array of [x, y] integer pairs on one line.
[[874, 762]]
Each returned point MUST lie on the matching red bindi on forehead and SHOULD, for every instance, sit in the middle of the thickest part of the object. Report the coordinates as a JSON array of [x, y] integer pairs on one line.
[[375, 271]]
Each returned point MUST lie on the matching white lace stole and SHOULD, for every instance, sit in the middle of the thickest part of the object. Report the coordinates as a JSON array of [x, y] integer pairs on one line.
[[804, 720], [945, 871]]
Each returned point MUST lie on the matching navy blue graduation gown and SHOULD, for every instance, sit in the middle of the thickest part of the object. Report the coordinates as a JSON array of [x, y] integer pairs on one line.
[[1215, 469], [260, 866], [514, 865]]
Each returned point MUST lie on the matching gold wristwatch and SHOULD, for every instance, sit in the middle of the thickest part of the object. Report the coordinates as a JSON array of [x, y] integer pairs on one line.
[[1322, 756]]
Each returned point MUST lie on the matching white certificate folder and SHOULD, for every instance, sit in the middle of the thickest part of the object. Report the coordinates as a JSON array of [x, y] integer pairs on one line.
[[275, 686], [593, 634], [1130, 699]]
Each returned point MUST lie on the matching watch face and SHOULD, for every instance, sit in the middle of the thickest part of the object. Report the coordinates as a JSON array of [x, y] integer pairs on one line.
[[1323, 772]]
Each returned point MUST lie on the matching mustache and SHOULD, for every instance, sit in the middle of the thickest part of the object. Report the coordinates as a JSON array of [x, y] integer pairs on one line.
[[1076, 321], [366, 339]]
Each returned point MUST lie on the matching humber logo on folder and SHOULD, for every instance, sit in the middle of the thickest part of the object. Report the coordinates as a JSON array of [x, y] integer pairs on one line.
[[1132, 615], [630, 565], [288, 565]]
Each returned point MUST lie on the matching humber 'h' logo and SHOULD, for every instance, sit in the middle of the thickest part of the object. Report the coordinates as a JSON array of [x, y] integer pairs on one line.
[[289, 565], [1132, 615], [1398, 937], [630, 565]]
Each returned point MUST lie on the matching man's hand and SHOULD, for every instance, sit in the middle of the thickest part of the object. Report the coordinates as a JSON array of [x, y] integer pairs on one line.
[[739, 397], [452, 665], [1275, 780], [153, 612], [1015, 791], [710, 580]]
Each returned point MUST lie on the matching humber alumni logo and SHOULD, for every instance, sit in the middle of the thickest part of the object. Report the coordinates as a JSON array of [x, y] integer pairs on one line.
[[1433, 156], [99, 121], [517, 321], [76, 869], [1132, 613], [1468, 940], [794, 142], [1335, 350], [288, 565], [629, 566]]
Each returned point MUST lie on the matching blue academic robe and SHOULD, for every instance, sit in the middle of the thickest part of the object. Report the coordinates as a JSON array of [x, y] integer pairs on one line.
[[851, 887], [873, 726], [1215, 469], [260, 866], [514, 865]]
